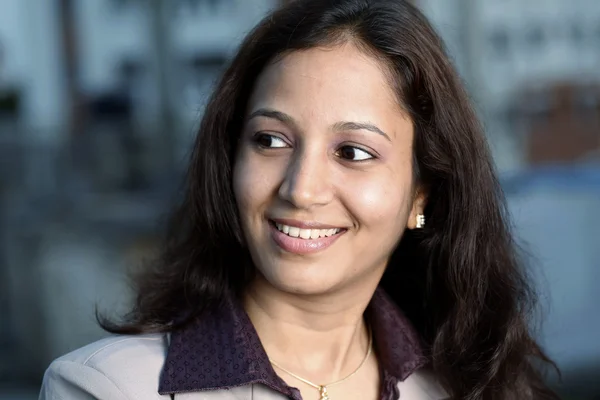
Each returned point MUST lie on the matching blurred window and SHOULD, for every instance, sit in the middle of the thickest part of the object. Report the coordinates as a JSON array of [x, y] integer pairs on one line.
[[576, 33], [535, 37], [500, 41]]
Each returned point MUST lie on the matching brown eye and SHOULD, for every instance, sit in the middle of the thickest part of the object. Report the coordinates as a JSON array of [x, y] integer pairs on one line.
[[352, 153], [270, 141]]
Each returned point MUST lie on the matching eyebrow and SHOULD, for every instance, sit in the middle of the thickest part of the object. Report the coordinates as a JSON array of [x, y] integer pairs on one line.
[[357, 126], [273, 114], [338, 126]]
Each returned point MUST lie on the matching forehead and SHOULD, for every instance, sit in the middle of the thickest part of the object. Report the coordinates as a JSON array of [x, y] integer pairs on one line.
[[335, 80]]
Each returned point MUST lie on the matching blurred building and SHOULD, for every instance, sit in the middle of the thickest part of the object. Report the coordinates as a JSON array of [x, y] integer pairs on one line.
[[118, 42], [511, 49]]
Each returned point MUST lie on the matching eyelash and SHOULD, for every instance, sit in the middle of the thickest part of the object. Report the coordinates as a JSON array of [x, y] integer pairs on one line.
[[261, 135]]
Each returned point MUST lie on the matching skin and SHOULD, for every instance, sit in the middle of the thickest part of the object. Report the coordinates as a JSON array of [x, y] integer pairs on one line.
[[298, 160]]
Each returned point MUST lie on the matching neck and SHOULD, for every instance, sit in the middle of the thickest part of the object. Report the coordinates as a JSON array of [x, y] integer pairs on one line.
[[321, 338]]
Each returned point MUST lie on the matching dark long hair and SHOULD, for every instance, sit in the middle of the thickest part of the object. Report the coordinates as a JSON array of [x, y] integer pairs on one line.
[[459, 280]]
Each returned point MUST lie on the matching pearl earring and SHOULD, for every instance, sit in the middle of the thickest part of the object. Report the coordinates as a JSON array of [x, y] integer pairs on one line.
[[420, 221]]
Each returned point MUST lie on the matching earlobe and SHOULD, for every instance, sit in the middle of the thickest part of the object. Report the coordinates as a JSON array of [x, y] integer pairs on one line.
[[416, 219]]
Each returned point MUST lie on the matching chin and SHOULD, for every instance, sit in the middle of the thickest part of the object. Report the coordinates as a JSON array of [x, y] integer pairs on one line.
[[300, 281]]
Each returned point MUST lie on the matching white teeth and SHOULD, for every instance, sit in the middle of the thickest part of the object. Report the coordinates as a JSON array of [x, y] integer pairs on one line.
[[306, 233]]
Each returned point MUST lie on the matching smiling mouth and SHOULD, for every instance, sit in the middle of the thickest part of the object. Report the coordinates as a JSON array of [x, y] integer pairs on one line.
[[307, 234]]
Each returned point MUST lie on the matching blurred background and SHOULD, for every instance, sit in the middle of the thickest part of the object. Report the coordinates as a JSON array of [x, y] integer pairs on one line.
[[100, 100]]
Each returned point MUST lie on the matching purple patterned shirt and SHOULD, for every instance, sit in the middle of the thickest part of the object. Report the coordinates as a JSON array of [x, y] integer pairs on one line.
[[222, 350]]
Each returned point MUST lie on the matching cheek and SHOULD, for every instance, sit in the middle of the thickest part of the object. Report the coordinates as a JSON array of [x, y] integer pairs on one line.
[[253, 183], [241, 184], [381, 203]]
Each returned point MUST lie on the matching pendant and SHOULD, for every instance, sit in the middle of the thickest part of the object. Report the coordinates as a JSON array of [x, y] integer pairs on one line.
[[323, 393]]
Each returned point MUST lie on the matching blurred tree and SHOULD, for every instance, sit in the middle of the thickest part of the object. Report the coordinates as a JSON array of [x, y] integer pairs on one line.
[[71, 62], [159, 14]]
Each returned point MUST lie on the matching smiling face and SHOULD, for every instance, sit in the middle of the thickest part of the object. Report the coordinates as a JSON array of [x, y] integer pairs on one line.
[[323, 177]]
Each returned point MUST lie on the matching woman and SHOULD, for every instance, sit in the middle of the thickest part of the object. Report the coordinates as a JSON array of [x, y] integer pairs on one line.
[[342, 236]]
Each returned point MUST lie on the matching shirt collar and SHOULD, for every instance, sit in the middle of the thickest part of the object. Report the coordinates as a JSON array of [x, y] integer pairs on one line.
[[221, 350]]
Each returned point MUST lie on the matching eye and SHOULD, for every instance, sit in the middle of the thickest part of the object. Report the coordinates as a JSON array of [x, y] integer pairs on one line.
[[352, 153], [269, 141]]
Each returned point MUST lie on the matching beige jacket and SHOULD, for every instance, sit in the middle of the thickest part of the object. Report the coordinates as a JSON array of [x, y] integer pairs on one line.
[[129, 367]]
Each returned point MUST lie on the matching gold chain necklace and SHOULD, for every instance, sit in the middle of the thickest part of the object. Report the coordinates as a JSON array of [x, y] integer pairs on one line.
[[323, 388]]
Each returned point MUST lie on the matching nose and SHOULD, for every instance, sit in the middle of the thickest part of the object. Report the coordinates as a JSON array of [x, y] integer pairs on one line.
[[307, 182]]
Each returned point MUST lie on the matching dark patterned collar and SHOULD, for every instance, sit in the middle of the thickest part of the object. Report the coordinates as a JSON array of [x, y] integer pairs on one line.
[[222, 350]]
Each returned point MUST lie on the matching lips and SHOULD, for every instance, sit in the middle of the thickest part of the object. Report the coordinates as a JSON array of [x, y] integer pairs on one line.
[[303, 237]]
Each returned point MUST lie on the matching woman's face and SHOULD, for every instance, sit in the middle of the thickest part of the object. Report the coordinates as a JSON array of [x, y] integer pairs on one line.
[[323, 177]]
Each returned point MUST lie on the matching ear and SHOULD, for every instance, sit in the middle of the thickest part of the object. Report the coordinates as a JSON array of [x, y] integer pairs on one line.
[[418, 207]]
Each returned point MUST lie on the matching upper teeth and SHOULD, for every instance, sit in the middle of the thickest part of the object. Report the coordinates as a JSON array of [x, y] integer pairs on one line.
[[306, 233]]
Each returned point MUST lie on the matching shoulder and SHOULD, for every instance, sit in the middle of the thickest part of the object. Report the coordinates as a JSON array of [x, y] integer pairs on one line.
[[119, 367], [120, 352], [422, 384]]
